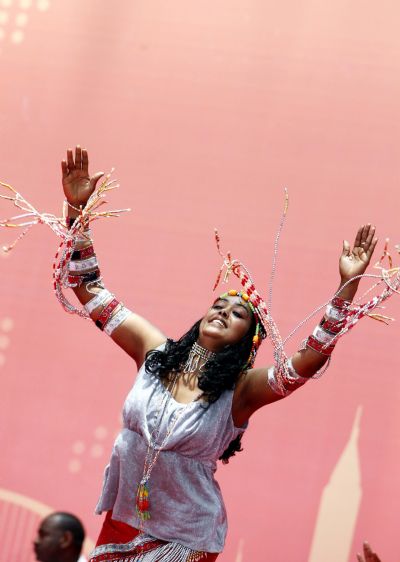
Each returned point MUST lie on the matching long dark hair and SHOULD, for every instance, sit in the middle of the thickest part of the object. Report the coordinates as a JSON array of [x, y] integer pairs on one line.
[[219, 374]]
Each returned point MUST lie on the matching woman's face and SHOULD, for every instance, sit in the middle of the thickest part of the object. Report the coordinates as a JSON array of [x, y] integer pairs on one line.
[[225, 323]]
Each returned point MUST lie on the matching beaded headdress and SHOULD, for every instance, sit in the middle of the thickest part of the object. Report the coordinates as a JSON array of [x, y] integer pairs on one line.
[[265, 325]]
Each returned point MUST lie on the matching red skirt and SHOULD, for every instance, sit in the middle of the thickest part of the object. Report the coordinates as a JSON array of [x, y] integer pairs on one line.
[[113, 545]]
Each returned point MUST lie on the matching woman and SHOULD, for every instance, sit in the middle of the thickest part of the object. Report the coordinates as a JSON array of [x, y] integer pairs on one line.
[[191, 401]]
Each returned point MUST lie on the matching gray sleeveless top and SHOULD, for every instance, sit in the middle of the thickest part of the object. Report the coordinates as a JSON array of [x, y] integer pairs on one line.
[[186, 505]]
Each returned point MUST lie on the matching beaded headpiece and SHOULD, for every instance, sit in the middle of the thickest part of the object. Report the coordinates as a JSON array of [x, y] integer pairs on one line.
[[265, 325]]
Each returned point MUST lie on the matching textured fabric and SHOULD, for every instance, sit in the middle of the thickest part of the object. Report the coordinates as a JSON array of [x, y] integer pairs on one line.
[[186, 505], [116, 544]]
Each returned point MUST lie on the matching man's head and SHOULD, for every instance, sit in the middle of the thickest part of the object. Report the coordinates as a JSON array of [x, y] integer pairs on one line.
[[59, 538]]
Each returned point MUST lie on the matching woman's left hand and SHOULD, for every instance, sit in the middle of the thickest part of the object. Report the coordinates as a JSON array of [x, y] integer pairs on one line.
[[354, 261]]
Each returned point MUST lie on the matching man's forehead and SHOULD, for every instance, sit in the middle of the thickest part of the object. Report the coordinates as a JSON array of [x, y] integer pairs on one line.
[[50, 523]]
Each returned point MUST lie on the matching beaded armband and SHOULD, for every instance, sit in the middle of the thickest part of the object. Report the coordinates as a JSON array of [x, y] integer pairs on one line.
[[84, 236], [110, 318], [78, 280], [116, 320], [106, 313], [98, 300], [324, 337], [83, 254], [290, 380], [83, 266]]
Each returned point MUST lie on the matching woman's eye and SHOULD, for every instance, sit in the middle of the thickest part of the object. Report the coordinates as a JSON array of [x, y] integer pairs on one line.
[[217, 306], [237, 314]]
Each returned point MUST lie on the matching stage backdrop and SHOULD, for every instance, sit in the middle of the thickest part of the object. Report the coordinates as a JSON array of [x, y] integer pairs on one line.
[[207, 110]]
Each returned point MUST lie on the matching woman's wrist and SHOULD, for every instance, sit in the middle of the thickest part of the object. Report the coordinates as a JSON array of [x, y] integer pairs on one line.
[[71, 213], [83, 239], [347, 289], [72, 210]]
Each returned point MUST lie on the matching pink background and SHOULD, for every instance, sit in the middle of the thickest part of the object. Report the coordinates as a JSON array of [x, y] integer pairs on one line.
[[207, 110]]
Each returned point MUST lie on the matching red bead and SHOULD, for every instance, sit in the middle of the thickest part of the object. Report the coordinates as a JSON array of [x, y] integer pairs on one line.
[[143, 504]]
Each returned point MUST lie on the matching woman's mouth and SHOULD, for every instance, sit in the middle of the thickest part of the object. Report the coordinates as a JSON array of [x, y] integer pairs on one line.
[[218, 322]]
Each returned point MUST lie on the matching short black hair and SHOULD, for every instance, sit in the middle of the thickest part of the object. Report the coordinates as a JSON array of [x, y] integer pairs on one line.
[[69, 522]]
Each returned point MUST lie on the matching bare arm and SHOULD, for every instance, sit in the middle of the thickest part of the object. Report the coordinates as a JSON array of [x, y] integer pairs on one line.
[[253, 390], [135, 334]]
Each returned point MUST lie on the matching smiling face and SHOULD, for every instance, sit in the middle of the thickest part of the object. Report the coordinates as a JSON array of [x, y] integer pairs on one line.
[[225, 323]]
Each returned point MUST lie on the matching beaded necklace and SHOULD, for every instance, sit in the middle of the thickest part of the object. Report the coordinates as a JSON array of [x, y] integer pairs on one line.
[[153, 451], [197, 355]]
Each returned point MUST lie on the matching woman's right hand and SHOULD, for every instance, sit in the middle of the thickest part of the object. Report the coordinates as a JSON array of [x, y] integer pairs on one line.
[[77, 184]]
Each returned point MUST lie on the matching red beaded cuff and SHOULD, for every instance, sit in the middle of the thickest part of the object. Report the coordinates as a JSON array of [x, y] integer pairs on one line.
[[319, 347], [106, 313], [332, 326], [78, 280], [82, 254], [340, 303]]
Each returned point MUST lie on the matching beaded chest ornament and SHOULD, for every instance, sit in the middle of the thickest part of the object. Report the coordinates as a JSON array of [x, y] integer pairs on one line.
[[154, 450]]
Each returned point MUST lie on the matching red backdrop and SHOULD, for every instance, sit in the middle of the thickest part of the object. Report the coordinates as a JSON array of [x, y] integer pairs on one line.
[[207, 110]]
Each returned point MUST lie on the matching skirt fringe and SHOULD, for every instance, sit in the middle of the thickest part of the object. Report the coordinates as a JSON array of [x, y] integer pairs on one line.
[[144, 548]]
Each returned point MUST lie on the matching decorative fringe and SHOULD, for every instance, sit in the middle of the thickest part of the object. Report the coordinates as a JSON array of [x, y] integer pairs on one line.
[[31, 217], [140, 549], [390, 278]]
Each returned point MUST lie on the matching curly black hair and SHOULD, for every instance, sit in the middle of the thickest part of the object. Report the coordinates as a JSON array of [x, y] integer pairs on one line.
[[219, 374]]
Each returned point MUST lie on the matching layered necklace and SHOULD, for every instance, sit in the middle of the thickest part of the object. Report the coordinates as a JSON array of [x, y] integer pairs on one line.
[[197, 358]]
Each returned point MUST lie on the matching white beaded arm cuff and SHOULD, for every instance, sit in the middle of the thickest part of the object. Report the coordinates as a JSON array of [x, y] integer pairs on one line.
[[117, 320], [83, 265], [334, 313], [293, 375], [97, 300], [273, 383]]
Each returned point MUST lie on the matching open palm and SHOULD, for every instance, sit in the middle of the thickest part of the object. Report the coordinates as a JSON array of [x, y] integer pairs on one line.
[[77, 184], [354, 261]]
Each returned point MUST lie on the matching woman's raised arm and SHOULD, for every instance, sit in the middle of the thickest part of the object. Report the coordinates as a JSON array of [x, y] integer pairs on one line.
[[133, 334], [259, 387]]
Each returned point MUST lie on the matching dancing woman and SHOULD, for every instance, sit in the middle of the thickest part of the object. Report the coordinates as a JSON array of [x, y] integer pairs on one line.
[[192, 398]]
